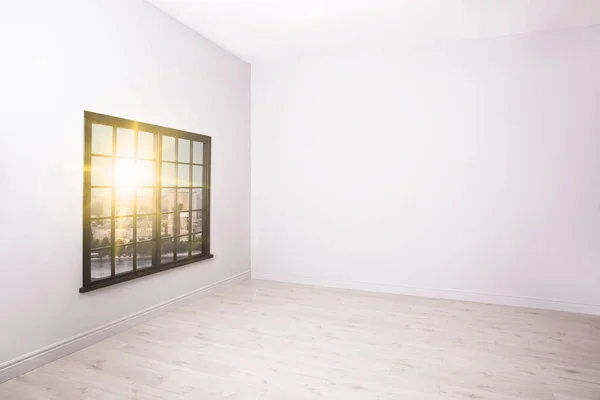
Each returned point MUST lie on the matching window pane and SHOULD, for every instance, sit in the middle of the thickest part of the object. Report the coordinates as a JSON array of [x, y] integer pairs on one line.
[[102, 139], [145, 227], [184, 223], [196, 221], [101, 203], [123, 230], [197, 176], [101, 171], [146, 173], [100, 232], [196, 199], [198, 152], [144, 254], [168, 174], [183, 247], [100, 264], [145, 145], [145, 201], [183, 175], [123, 259], [167, 225], [166, 251], [168, 148], [183, 199], [124, 201], [125, 142], [197, 244], [183, 151], [126, 173], [167, 200], [127, 225]]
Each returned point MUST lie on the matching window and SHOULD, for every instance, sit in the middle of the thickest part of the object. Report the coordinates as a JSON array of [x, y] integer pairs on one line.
[[146, 200]]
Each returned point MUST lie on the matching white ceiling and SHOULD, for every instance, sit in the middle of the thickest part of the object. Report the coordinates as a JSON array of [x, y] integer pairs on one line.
[[265, 30]]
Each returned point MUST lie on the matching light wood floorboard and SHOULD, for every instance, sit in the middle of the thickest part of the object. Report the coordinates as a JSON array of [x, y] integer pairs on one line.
[[264, 340]]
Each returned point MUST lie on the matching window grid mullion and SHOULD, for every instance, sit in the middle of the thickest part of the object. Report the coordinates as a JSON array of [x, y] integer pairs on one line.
[[135, 188], [205, 197], [190, 184], [157, 257], [176, 216], [113, 203], [87, 210]]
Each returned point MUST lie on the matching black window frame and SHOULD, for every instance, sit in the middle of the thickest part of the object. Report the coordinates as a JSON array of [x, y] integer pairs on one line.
[[158, 131]]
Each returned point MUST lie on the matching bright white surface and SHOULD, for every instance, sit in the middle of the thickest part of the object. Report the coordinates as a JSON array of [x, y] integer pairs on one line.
[[260, 30], [122, 58], [472, 167]]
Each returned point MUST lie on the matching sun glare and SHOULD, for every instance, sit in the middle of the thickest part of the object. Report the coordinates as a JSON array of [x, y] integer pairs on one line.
[[127, 173]]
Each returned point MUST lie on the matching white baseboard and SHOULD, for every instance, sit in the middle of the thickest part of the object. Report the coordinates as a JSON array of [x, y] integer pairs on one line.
[[529, 302], [36, 359]]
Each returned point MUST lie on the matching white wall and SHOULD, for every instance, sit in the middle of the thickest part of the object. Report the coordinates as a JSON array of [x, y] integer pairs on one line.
[[468, 171], [123, 58]]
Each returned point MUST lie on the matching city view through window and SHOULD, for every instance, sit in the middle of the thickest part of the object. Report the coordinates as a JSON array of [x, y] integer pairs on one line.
[[146, 200]]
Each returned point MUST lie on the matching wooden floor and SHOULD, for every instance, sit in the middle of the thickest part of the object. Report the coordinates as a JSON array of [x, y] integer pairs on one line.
[[265, 340]]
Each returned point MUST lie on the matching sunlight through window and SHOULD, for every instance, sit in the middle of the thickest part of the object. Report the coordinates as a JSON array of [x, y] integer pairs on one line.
[[146, 199]]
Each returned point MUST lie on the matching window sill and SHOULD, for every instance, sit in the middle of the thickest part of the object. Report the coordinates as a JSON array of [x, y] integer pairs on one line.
[[138, 274]]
